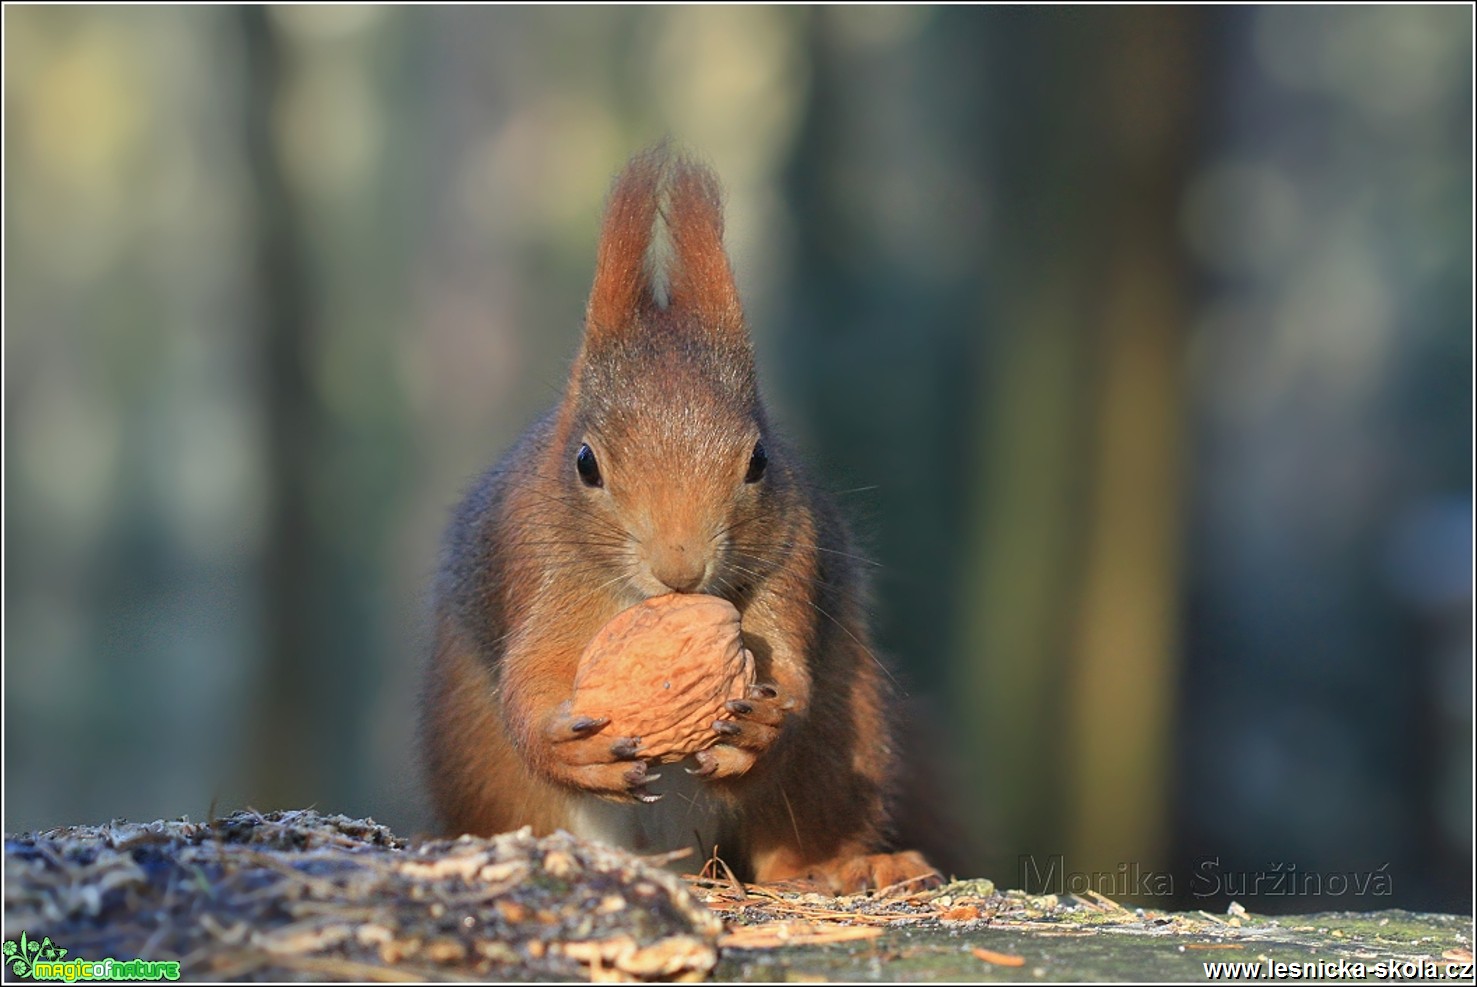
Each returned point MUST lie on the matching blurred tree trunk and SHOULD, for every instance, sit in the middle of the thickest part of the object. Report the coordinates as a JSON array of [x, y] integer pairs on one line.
[[287, 740], [888, 227], [1069, 654]]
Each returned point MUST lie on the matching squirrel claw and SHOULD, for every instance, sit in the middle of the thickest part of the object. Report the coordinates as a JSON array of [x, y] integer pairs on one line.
[[722, 761], [625, 748], [638, 778], [565, 729], [727, 728]]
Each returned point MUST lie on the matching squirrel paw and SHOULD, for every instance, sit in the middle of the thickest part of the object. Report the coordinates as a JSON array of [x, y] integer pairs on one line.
[[608, 766], [757, 720]]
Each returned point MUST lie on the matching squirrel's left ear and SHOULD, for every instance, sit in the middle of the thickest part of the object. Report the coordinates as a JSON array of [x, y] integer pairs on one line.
[[700, 283]]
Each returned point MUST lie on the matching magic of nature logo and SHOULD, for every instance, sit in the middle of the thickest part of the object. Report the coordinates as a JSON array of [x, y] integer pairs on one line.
[[42, 959]]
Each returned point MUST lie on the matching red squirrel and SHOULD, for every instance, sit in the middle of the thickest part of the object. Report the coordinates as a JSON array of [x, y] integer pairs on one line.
[[658, 472]]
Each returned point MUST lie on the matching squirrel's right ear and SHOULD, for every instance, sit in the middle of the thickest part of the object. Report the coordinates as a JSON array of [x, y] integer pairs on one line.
[[623, 289]]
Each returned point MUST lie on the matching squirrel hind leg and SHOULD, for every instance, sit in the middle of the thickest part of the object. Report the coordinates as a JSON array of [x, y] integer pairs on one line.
[[849, 873], [903, 871]]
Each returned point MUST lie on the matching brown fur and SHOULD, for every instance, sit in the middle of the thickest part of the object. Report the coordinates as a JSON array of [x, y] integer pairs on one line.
[[537, 560]]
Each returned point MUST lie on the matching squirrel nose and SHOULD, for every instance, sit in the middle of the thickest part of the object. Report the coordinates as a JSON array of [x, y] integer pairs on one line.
[[678, 569]]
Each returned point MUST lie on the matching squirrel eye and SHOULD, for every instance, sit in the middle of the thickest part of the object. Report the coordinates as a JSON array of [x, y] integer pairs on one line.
[[588, 469], [757, 462]]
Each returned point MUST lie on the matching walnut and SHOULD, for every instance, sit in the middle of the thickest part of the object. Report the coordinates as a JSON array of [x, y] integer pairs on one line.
[[662, 670]]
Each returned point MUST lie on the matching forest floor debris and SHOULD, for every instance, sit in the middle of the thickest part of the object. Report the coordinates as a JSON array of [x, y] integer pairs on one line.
[[303, 896]]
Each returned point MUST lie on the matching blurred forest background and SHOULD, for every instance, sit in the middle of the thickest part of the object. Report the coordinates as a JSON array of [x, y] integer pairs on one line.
[[1146, 332]]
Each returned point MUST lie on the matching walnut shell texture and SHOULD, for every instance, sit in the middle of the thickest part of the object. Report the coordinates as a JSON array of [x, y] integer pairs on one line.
[[662, 670]]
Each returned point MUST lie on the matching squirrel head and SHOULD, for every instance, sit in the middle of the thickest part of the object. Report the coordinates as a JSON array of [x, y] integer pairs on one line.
[[663, 450]]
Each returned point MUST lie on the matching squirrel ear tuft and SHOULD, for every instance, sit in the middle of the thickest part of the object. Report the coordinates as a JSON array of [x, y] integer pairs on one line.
[[700, 290], [622, 289], [699, 280]]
